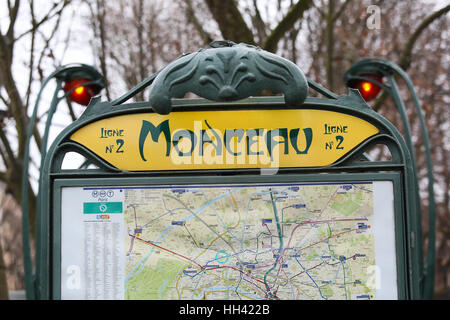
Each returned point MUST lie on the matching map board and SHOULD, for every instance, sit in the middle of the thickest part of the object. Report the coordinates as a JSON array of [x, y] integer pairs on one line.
[[296, 240]]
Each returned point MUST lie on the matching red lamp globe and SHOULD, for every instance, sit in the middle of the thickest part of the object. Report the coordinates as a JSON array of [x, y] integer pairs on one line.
[[81, 93], [368, 90]]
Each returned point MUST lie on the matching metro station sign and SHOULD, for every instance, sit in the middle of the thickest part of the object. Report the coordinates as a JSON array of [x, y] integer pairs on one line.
[[157, 219], [224, 139]]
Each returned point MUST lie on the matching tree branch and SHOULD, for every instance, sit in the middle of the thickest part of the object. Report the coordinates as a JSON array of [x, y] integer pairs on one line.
[[293, 15], [47, 17], [231, 23], [190, 14], [9, 156], [259, 23], [405, 57], [16, 104], [101, 12], [12, 19], [31, 63], [341, 10], [329, 30]]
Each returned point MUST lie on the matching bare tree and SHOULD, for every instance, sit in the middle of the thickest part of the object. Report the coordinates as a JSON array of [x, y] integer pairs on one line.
[[15, 97], [136, 38]]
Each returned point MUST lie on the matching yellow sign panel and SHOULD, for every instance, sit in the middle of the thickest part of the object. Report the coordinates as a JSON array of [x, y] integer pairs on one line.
[[224, 139]]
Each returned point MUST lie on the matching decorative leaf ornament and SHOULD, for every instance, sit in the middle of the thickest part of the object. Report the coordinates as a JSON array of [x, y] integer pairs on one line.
[[228, 72]]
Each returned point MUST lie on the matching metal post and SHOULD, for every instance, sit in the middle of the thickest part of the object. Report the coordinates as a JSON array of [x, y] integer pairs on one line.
[[60, 74], [388, 69]]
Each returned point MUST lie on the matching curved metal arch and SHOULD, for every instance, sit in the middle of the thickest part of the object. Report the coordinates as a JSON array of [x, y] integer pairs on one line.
[[70, 146], [380, 139]]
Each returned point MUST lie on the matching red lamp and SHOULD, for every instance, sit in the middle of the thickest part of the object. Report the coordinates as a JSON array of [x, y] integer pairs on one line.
[[81, 93], [368, 90]]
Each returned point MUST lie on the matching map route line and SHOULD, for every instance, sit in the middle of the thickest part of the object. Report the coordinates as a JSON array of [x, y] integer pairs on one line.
[[280, 267], [217, 238], [288, 280], [309, 269], [192, 237], [343, 272], [315, 283], [169, 211], [229, 229], [320, 221], [280, 236], [327, 238], [270, 233], [282, 217], [134, 209], [218, 215], [361, 188], [170, 251], [194, 262], [131, 246], [310, 245], [242, 272], [334, 220], [208, 226], [322, 240], [250, 199], [238, 212], [321, 211], [282, 251], [319, 264], [262, 291], [206, 269]]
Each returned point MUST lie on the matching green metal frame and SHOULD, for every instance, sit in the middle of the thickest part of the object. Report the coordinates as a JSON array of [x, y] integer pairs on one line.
[[351, 104], [269, 72]]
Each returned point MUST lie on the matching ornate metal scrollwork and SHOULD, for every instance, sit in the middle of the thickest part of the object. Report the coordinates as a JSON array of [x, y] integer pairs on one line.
[[228, 72]]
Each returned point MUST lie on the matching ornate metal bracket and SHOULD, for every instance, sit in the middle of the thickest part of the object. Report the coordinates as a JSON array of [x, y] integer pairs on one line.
[[228, 72]]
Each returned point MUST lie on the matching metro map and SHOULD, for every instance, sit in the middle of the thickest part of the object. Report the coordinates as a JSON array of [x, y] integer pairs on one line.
[[247, 241]]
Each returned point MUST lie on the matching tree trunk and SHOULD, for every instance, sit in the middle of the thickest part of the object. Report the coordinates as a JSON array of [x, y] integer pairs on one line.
[[230, 21], [330, 45], [3, 284]]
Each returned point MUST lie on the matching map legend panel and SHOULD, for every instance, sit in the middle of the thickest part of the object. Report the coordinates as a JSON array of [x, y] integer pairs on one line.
[[96, 253]]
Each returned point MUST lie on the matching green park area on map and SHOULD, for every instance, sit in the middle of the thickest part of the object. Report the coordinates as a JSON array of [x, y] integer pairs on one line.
[[296, 241]]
